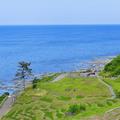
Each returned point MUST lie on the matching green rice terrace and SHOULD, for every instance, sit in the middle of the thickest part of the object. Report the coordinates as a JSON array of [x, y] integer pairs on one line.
[[70, 98], [67, 99]]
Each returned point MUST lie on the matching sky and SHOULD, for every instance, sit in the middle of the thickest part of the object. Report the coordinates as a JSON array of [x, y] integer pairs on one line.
[[44, 12]]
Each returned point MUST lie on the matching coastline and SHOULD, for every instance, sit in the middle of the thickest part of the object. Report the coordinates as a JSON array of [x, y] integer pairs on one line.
[[97, 63], [12, 98]]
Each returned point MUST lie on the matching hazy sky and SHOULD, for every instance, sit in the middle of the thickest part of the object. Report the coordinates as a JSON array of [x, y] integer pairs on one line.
[[59, 12]]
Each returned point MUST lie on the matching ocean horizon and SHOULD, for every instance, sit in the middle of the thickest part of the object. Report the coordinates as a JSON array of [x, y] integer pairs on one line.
[[55, 48]]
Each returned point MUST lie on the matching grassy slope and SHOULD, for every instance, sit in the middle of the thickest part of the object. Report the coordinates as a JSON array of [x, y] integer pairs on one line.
[[50, 101], [112, 69], [115, 83]]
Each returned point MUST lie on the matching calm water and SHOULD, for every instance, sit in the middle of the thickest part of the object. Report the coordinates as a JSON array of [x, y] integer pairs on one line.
[[54, 48]]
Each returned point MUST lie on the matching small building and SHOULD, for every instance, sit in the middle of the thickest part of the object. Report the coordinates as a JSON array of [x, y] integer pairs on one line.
[[88, 74]]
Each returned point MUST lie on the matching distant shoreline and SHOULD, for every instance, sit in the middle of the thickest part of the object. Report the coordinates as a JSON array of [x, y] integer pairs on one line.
[[60, 25]]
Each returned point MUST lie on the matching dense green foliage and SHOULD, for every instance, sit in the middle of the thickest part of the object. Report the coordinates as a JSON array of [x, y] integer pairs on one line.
[[2, 97], [113, 67], [76, 109], [34, 83]]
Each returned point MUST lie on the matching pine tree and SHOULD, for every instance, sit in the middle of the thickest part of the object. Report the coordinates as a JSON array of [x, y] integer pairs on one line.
[[23, 73]]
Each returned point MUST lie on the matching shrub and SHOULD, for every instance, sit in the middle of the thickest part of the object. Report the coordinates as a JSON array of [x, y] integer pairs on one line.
[[117, 93], [49, 115], [68, 89], [64, 98], [79, 97], [59, 114], [35, 80], [46, 99], [82, 108], [101, 104], [75, 109], [6, 93], [114, 100], [74, 90], [63, 110], [109, 102], [34, 83], [34, 86]]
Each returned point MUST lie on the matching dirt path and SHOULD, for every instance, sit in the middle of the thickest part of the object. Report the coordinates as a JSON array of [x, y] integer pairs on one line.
[[113, 95], [113, 114], [7, 105], [60, 77]]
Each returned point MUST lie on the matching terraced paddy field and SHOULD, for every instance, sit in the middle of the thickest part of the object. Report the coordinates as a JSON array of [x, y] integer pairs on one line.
[[68, 99]]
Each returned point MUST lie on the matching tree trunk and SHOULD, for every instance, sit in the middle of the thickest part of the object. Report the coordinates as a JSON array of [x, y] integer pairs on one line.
[[23, 84]]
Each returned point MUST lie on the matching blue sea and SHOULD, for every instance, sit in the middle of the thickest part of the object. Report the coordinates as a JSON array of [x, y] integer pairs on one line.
[[54, 48]]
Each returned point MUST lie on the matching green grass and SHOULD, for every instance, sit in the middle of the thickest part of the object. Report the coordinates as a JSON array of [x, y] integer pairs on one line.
[[51, 101], [115, 83], [73, 87]]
